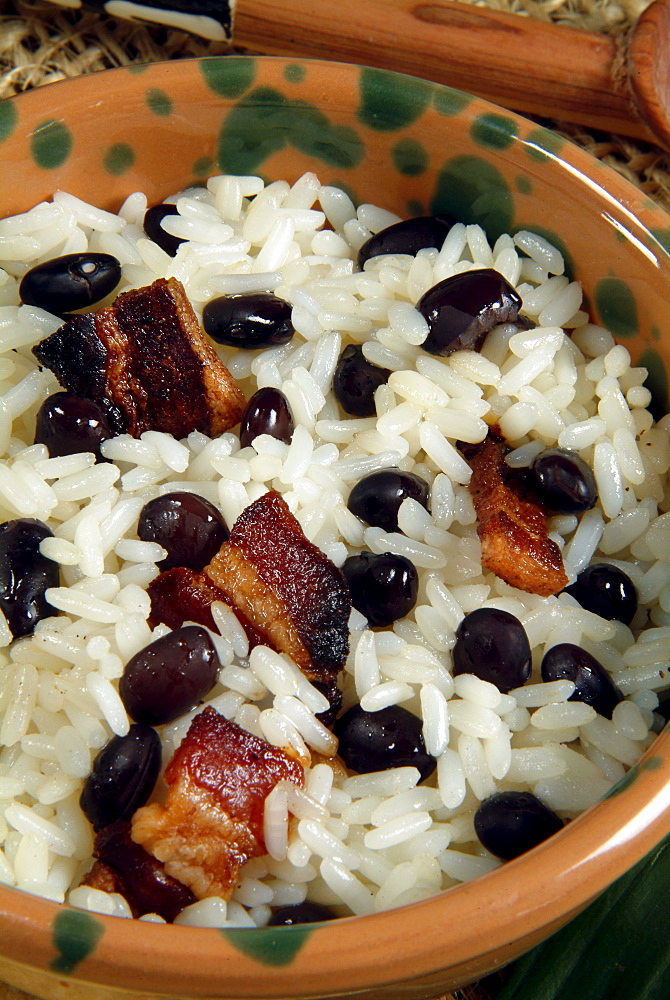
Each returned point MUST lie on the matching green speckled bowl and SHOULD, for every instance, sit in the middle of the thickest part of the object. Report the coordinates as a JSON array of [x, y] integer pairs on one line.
[[413, 147]]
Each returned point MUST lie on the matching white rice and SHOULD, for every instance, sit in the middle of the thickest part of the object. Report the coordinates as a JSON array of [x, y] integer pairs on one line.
[[358, 843]]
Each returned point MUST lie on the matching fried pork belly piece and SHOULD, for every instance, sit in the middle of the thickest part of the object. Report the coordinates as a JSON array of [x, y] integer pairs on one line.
[[212, 822], [290, 592], [146, 360], [183, 595], [512, 527], [127, 869]]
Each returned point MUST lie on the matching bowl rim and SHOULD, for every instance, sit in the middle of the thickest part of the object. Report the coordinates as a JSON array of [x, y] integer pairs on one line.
[[448, 923], [415, 935]]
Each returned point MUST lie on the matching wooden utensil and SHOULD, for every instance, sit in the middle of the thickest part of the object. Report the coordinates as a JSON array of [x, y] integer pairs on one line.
[[620, 84]]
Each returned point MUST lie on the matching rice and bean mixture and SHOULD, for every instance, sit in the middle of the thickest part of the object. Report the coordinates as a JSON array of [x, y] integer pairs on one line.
[[356, 843]]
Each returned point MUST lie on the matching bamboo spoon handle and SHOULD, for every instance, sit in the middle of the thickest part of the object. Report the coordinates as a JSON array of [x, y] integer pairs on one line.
[[618, 84], [525, 64]]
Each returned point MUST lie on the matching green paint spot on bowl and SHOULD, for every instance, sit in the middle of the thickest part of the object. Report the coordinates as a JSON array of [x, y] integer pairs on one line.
[[415, 208], [294, 73], [51, 144], [523, 184], [541, 144], [159, 102], [274, 946], [8, 119], [450, 102], [265, 122], [409, 157], [75, 935], [494, 131], [228, 76], [617, 307], [137, 68], [654, 763], [655, 332], [118, 158], [657, 381], [662, 236], [390, 102], [473, 190], [202, 166]]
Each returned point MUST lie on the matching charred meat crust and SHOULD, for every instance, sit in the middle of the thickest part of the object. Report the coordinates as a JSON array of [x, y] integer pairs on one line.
[[513, 527], [289, 591], [329, 689], [212, 822], [76, 356], [146, 360]]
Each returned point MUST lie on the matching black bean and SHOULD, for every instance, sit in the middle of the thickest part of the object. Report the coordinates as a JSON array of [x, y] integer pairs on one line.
[[593, 684], [123, 776], [267, 412], [68, 424], [257, 319], [461, 310], [376, 498], [189, 527], [493, 645], [510, 823], [356, 380], [407, 237], [606, 591], [25, 574], [377, 741], [383, 586], [73, 281], [563, 481], [170, 676], [300, 913], [153, 218]]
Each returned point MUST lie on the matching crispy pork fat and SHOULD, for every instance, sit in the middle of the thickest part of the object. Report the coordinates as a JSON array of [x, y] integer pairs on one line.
[[212, 822], [512, 526], [146, 360]]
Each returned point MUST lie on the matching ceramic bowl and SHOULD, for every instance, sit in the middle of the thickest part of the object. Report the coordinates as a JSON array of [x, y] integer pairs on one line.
[[415, 148]]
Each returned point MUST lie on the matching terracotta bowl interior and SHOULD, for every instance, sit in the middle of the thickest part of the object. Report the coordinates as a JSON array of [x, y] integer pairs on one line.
[[414, 148]]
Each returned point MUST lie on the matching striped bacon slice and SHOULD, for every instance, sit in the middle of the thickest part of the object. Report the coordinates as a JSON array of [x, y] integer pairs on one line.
[[512, 526], [146, 360], [212, 821]]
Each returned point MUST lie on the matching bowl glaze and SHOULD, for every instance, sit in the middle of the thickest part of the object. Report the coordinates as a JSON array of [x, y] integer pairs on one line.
[[413, 147]]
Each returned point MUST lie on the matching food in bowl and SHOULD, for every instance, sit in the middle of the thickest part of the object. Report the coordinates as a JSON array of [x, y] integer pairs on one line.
[[496, 506]]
